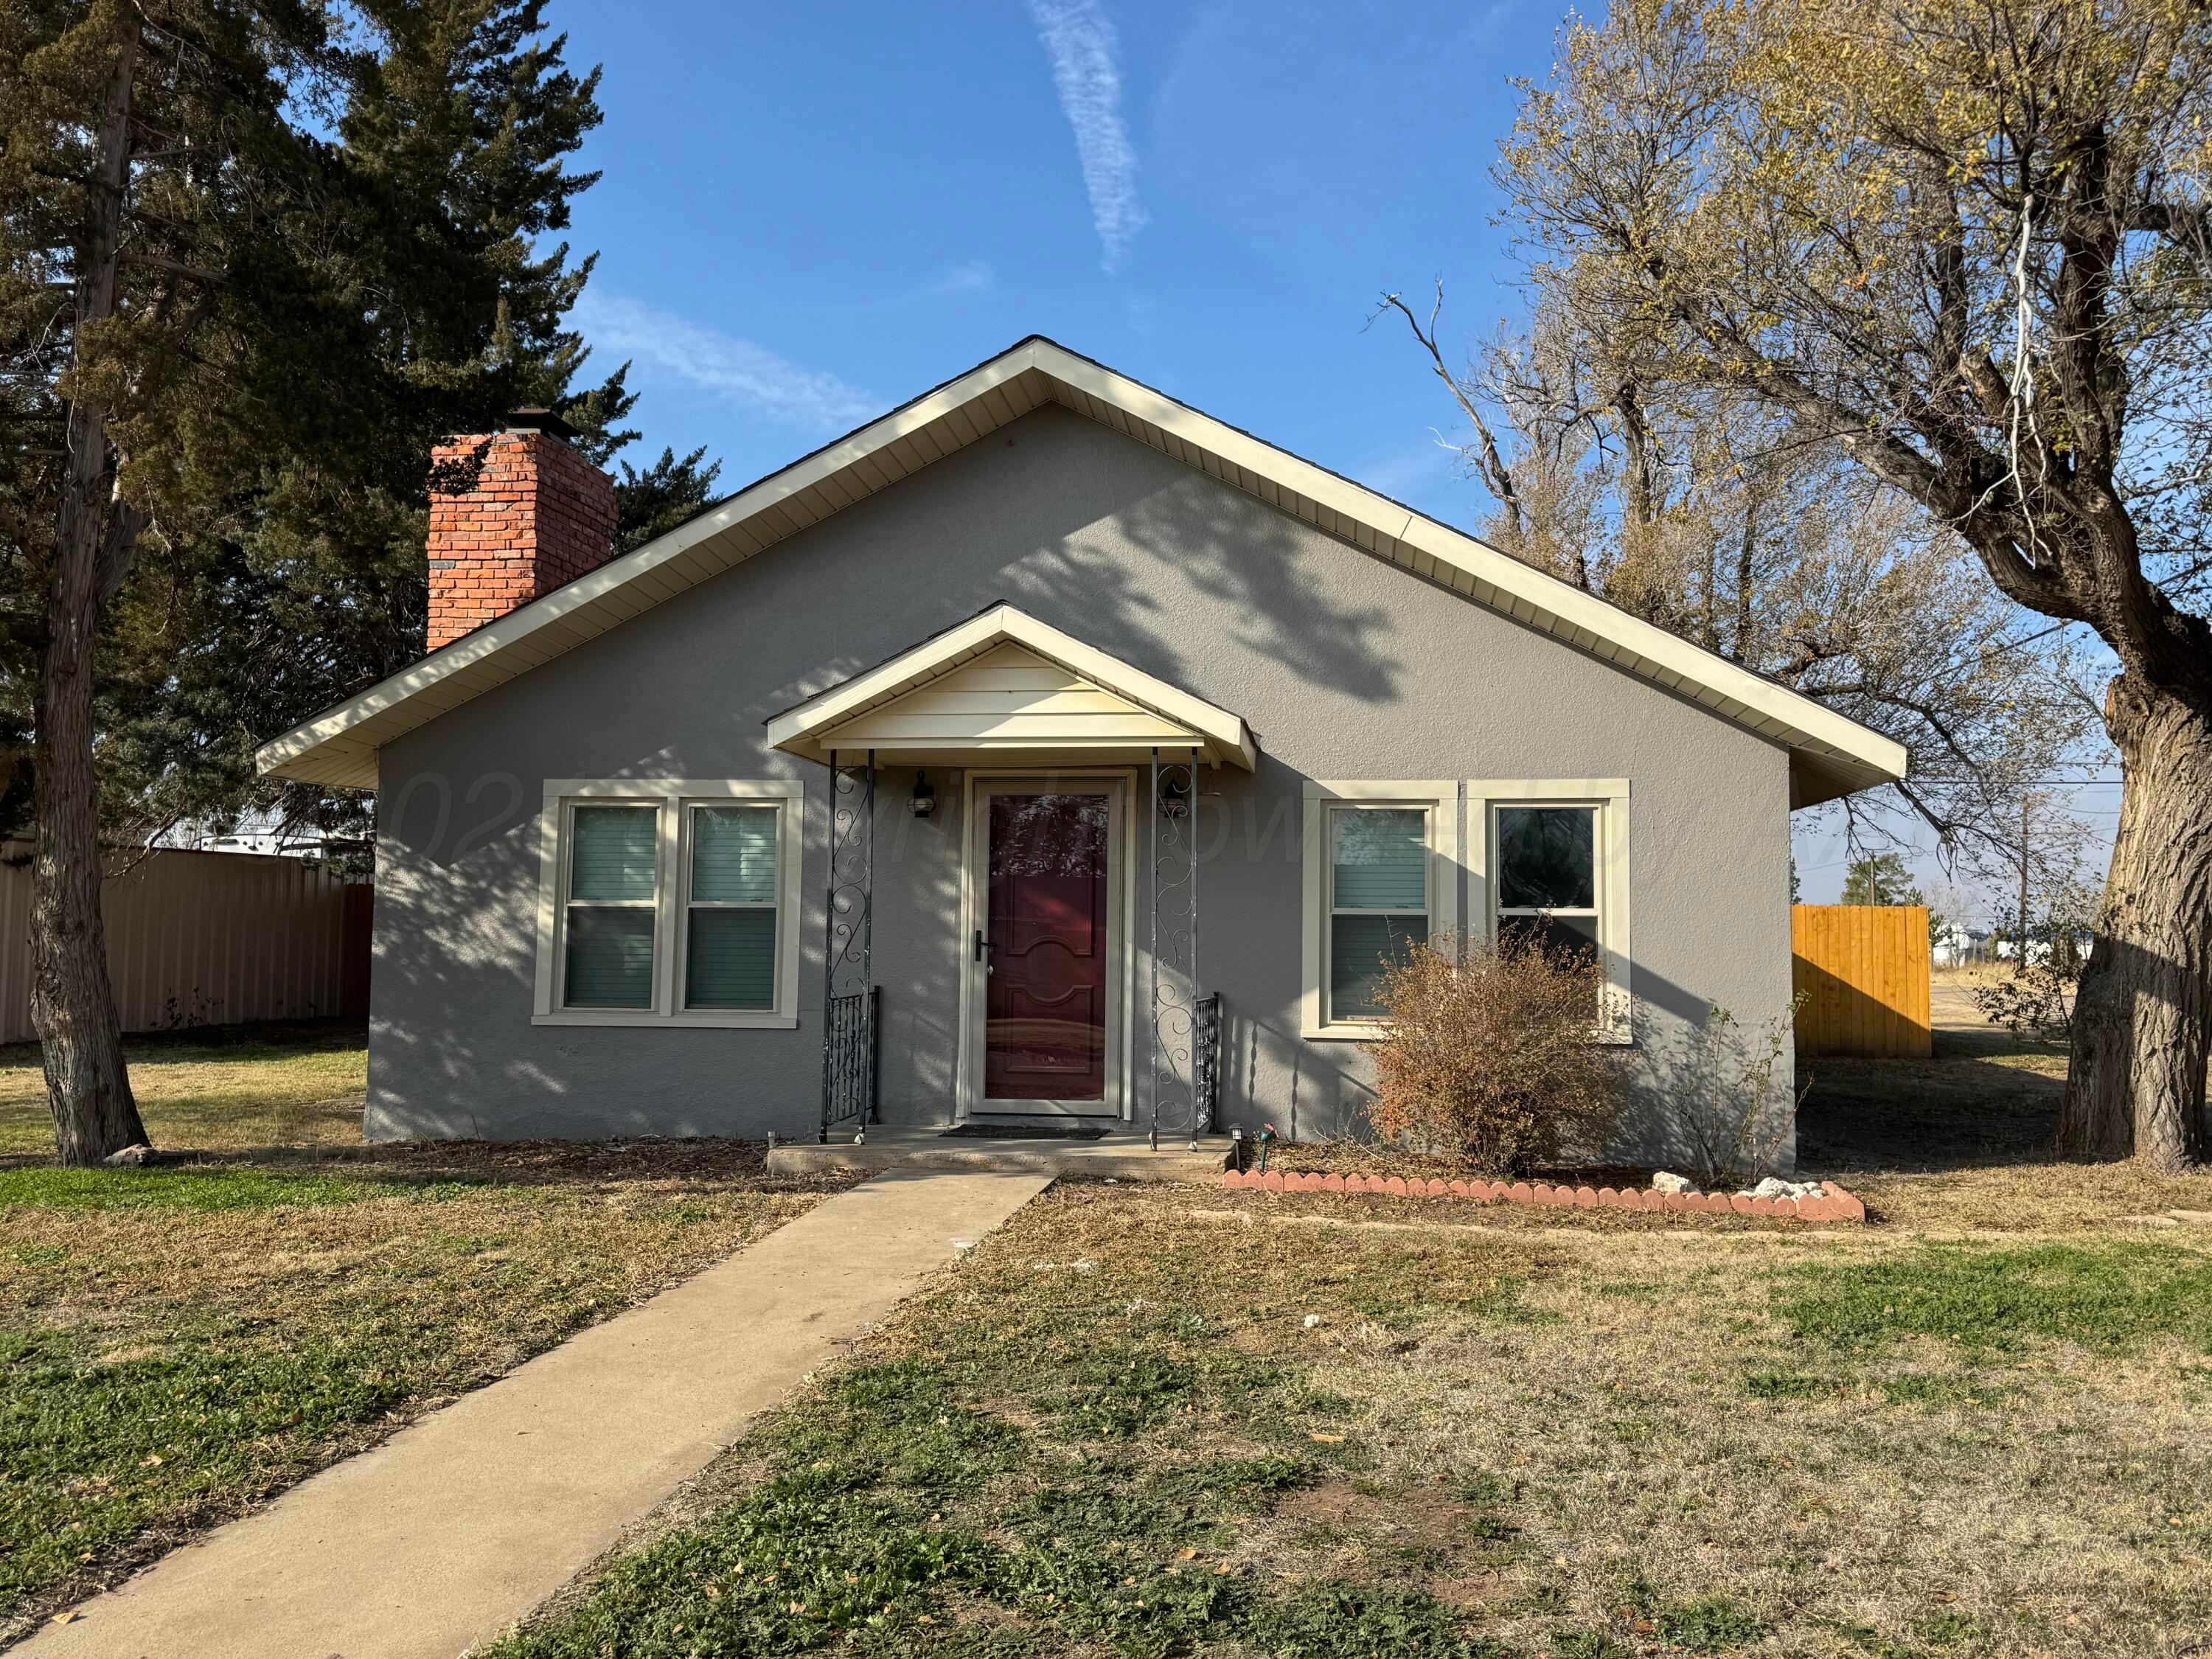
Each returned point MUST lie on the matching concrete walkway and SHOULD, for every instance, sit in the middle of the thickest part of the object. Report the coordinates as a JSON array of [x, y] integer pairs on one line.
[[459, 1525], [1124, 1155]]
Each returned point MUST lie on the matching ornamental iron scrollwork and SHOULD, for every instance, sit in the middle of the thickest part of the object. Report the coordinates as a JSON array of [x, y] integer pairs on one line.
[[1205, 1058], [850, 1005]]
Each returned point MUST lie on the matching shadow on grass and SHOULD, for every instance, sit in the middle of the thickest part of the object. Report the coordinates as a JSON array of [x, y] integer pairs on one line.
[[264, 1178], [263, 1039], [1986, 1099]]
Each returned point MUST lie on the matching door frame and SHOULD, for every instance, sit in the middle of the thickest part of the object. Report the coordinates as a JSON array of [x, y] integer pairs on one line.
[[1121, 920]]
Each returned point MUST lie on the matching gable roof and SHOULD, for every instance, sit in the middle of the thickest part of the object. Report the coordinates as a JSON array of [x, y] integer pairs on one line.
[[1003, 682], [1831, 754]]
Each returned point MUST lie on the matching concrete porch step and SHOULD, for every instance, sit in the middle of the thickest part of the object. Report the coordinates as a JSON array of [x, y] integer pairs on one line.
[[1119, 1157]]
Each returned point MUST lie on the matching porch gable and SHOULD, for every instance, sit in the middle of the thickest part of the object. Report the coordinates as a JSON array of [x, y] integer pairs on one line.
[[1004, 686]]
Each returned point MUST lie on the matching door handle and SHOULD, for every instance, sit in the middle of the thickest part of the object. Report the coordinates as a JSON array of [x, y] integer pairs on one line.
[[980, 947]]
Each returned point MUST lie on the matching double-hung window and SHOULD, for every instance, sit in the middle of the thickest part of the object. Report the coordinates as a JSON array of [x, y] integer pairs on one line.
[[611, 910], [1382, 876], [1548, 878], [1378, 900], [1542, 861], [1556, 871], [730, 908], [670, 903]]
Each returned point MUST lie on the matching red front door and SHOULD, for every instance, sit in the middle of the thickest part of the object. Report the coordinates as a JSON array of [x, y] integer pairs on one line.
[[1046, 939]]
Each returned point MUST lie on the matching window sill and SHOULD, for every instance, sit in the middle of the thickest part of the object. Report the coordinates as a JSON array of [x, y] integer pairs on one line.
[[763, 1020], [1343, 1031], [1348, 1031]]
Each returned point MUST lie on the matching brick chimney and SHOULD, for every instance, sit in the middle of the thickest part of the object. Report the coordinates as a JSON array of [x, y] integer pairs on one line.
[[513, 514]]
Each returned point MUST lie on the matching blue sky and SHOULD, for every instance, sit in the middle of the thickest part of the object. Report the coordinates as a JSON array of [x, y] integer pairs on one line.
[[809, 214]]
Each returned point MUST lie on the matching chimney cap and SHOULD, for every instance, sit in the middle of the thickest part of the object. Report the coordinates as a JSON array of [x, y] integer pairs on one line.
[[539, 420]]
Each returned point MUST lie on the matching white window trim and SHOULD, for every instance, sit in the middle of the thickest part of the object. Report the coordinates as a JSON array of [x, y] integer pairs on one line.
[[1610, 796], [671, 797], [1441, 799]]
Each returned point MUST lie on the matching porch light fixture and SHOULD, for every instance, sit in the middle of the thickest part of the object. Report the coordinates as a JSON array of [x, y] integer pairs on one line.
[[923, 801], [1175, 796]]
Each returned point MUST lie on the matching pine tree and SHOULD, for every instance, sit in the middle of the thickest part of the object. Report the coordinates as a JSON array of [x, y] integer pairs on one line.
[[258, 256], [1880, 878]]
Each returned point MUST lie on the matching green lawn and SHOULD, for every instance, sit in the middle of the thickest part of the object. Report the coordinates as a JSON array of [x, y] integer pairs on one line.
[[178, 1342]]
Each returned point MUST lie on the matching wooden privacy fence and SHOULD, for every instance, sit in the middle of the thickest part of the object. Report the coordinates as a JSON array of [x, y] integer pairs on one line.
[[1862, 970], [208, 938]]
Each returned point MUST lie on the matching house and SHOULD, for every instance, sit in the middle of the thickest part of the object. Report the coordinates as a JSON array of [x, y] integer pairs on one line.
[[1951, 944], [1045, 749]]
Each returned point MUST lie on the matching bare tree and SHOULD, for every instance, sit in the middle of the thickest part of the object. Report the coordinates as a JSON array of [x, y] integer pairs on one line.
[[1967, 241], [1722, 522]]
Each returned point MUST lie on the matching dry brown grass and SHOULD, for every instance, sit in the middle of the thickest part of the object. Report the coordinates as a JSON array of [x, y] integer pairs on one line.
[[265, 1085], [1963, 1142], [1970, 974], [2027, 1503], [1574, 1431]]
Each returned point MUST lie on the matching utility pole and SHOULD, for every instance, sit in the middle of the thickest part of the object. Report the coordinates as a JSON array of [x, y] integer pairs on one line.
[[2020, 938]]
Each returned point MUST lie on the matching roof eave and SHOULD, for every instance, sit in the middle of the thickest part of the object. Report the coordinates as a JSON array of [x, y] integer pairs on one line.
[[338, 746]]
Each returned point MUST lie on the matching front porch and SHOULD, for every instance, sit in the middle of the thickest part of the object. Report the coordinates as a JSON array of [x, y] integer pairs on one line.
[[1072, 780], [1122, 1154]]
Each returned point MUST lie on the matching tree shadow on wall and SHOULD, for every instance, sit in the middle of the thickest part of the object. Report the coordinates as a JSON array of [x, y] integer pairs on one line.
[[1175, 573]]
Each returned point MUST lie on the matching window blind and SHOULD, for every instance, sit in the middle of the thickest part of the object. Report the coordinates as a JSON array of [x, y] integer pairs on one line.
[[1380, 860], [733, 854], [1360, 946], [613, 852], [729, 953], [1378, 898], [613, 860], [729, 962], [610, 957]]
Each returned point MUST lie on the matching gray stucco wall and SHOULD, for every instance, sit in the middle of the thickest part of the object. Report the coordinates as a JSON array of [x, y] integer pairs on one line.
[[1346, 667]]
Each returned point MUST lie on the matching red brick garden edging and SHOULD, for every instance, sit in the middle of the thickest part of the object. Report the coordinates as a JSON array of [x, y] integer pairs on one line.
[[1836, 1205]]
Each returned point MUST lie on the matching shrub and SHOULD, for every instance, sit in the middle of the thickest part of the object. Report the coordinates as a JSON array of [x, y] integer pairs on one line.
[[2036, 1000], [1723, 1098], [1492, 1056]]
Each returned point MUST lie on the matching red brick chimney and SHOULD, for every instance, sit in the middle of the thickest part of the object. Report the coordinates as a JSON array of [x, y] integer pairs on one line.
[[512, 515]]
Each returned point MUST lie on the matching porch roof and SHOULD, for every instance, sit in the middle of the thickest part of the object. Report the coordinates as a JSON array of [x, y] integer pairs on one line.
[[1004, 686]]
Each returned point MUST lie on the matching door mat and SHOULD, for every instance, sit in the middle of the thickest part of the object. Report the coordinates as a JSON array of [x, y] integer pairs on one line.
[[1022, 1131]]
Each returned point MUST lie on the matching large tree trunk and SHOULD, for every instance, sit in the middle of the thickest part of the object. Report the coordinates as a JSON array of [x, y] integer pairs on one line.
[[72, 1002], [2135, 1082]]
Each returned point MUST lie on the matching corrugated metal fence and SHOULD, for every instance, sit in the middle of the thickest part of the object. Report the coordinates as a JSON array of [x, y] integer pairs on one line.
[[1862, 969], [209, 939]]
